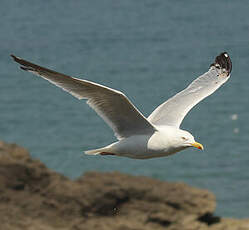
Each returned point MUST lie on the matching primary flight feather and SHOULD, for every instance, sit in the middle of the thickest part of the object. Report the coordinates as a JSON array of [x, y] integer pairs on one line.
[[138, 137]]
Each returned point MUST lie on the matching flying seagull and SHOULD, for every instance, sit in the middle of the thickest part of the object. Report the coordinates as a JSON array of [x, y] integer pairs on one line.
[[140, 137]]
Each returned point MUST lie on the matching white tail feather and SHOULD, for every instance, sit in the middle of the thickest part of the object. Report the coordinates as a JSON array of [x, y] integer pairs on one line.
[[96, 151]]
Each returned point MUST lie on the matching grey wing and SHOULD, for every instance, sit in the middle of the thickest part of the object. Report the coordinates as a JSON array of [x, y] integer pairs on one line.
[[173, 111], [112, 105]]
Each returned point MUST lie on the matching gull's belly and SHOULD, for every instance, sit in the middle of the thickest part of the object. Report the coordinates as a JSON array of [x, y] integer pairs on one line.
[[144, 146]]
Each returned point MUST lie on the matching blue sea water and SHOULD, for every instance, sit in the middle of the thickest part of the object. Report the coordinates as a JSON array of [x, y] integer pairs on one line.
[[150, 50]]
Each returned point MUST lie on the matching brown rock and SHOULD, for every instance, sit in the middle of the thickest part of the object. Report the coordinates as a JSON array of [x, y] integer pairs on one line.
[[33, 197]]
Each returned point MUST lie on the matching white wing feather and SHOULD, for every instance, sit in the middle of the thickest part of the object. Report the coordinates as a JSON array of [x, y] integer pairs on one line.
[[173, 111], [112, 105]]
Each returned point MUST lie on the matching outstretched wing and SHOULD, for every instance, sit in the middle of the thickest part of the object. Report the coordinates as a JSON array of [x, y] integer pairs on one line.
[[173, 111], [112, 105]]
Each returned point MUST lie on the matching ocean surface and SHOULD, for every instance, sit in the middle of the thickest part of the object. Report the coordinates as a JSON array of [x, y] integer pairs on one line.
[[150, 50]]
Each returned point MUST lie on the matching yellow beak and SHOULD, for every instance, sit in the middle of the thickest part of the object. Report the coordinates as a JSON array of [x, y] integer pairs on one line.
[[198, 145]]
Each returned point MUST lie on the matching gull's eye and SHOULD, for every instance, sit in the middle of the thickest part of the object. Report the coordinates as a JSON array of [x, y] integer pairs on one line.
[[184, 138]]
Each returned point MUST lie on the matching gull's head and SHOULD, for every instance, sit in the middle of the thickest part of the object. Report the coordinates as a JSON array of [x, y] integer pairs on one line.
[[185, 139]]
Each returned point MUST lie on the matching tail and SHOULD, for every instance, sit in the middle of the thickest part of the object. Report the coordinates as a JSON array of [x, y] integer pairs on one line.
[[96, 151]]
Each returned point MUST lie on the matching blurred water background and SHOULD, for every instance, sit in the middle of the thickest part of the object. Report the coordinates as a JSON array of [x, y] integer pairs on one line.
[[150, 50]]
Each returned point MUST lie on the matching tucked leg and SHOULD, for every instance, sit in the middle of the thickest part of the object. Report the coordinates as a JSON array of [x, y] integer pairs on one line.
[[106, 153]]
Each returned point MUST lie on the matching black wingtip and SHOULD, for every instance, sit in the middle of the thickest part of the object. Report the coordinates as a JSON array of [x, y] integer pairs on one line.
[[24, 68], [20, 61], [224, 61], [14, 57]]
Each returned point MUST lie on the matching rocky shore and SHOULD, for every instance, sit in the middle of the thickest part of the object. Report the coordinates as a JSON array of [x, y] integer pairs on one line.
[[32, 197]]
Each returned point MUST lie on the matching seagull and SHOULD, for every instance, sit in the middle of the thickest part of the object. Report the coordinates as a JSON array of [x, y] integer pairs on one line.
[[137, 136]]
